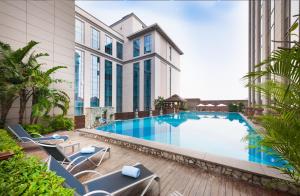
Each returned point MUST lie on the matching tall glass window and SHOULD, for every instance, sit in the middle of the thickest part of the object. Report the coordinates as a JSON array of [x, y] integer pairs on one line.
[[119, 50], [294, 11], [79, 31], [272, 25], [119, 87], [147, 44], [136, 47], [147, 85], [170, 54], [108, 83], [108, 45], [170, 72], [95, 79], [79, 82], [136, 86], [95, 39]]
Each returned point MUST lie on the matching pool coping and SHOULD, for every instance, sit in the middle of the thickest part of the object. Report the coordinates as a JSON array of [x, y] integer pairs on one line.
[[239, 169]]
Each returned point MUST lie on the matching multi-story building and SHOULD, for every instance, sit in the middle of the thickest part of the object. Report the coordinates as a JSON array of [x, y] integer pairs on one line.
[[125, 65], [269, 25]]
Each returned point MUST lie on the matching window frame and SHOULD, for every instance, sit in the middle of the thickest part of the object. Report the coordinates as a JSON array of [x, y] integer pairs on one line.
[[98, 42], [82, 41], [106, 45], [136, 49], [150, 43], [119, 44]]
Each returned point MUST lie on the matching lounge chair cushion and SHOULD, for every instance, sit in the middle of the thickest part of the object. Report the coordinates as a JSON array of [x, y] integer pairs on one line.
[[84, 156], [116, 181]]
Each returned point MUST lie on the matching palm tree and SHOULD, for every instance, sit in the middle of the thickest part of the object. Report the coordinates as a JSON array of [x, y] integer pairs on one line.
[[282, 122], [21, 77], [45, 98]]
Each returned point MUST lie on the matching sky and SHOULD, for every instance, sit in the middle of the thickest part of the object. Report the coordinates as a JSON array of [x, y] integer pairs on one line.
[[212, 34]]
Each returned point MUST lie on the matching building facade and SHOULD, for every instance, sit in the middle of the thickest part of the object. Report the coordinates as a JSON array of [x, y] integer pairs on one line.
[[269, 25], [51, 23], [124, 66]]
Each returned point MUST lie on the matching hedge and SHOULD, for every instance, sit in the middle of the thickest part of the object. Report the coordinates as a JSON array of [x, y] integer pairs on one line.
[[23, 175]]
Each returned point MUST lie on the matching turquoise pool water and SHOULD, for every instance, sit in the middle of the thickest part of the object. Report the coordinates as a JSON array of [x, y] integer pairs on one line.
[[212, 132]]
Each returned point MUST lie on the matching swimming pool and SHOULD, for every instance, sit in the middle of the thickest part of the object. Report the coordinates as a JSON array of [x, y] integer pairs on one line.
[[217, 133]]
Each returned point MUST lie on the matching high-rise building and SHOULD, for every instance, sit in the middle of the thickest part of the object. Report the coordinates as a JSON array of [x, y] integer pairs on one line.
[[269, 25]]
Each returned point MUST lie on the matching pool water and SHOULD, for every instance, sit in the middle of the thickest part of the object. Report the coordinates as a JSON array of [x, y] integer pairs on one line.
[[225, 134]]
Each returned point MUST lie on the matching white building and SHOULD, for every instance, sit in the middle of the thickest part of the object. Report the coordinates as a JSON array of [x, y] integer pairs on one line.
[[125, 65], [269, 25], [107, 71]]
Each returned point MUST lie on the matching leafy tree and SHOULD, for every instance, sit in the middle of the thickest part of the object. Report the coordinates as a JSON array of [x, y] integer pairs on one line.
[[21, 77], [159, 102], [282, 122]]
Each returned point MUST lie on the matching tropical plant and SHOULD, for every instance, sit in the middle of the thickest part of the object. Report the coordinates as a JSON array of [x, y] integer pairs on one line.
[[233, 107], [241, 107], [159, 102], [21, 77], [60, 122], [282, 122], [44, 98]]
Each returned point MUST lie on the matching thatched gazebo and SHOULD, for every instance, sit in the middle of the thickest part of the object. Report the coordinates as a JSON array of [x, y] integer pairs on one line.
[[175, 101]]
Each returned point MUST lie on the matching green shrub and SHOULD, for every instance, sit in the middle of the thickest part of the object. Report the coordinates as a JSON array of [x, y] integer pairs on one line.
[[61, 123], [7, 143], [37, 128], [232, 108], [22, 175]]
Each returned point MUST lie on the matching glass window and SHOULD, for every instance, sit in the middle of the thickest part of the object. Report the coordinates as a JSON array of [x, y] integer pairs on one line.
[[294, 11], [170, 72], [79, 31], [79, 82], [147, 44], [119, 87], [147, 85], [95, 39], [119, 50], [136, 86], [136, 47], [108, 45], [108, 83], [95, 79], [170, 54], [272, 25]]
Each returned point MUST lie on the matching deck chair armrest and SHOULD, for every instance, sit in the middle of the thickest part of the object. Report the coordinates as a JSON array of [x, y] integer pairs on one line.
[[95, 192], [87, 171], [71, 163]]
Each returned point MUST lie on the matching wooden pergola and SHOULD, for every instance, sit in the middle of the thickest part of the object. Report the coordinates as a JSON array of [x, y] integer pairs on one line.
[[175, 101]]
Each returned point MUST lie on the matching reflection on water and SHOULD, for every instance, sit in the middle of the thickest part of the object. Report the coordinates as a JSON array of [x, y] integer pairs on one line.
[[217, 133]]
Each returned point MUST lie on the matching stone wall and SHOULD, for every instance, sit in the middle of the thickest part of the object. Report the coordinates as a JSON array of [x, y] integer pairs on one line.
[[238, 174], [91, 114]]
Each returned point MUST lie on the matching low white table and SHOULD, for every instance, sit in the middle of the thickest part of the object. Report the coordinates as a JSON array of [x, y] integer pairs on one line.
[[69, 144]]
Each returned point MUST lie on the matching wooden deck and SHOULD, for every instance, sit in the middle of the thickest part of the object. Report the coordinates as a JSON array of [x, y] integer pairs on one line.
[[173, 176]]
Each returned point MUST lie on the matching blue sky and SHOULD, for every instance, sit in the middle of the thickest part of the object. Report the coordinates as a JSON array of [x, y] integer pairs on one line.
[[212, 35]]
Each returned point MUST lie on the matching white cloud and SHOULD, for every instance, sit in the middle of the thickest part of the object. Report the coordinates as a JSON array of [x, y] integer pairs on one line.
[[215, 52]]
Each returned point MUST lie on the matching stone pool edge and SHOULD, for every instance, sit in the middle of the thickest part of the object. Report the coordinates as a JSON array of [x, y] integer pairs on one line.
[[238, 169]]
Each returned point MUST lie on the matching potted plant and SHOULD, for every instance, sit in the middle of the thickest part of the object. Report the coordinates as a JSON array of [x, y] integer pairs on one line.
[[104, 112], [159, 103]]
